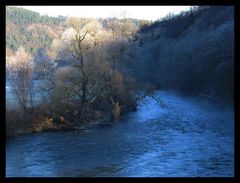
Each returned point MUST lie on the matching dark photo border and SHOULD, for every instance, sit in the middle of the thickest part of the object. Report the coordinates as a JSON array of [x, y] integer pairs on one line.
[[5, 3]]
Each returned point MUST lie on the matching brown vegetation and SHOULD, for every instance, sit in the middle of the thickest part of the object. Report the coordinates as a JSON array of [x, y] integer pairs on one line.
[[90, 90]]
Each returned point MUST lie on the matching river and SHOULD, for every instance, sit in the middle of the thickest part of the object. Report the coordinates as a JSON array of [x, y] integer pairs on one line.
[[190, 137]]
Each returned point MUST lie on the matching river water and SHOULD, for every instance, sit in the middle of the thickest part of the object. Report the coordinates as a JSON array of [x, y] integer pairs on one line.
[[190, 137]]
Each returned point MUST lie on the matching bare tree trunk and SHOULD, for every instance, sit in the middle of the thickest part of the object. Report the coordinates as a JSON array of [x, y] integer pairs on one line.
[[83, 101]]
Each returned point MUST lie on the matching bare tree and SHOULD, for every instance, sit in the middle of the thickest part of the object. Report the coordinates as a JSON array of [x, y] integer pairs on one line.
[[77, 45], [90, 80], [22, 80]]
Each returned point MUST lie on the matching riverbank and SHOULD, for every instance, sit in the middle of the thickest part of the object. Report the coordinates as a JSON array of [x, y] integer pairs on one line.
[[40, 123], [48, 126]]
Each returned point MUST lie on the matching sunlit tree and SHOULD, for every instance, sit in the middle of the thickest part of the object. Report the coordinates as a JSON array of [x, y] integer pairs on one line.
[[22, 85]]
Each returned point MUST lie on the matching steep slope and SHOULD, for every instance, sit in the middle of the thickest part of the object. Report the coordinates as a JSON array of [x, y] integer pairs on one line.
[[192, 52]]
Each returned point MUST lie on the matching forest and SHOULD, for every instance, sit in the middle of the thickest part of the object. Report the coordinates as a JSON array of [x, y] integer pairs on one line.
[[70, 73]]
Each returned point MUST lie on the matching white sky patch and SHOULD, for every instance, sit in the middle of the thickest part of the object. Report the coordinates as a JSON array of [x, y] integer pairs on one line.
[[138, 12]]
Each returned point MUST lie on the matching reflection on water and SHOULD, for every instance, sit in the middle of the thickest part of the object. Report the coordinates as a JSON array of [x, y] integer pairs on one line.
[[189, 137]]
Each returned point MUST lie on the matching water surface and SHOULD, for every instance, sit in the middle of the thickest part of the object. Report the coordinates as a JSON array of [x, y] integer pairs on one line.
[[189, 137]]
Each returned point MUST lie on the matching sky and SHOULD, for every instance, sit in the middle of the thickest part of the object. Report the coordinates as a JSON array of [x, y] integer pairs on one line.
[[139, 12]]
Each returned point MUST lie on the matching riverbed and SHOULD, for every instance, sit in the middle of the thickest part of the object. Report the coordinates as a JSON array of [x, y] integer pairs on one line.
[[187, 137]]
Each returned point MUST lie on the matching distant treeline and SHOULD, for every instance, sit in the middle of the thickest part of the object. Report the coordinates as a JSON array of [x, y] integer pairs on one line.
[[32, 30]]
